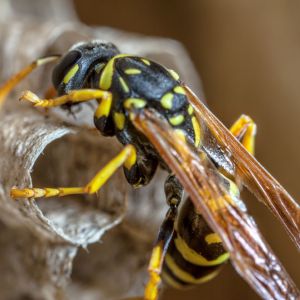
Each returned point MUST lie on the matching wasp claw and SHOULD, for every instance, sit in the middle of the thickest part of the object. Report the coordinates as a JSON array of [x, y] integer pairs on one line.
[[21, 193], [31, 97]]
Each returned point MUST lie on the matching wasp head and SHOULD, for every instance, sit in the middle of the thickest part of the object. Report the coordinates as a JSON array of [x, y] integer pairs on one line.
[[74, 68]]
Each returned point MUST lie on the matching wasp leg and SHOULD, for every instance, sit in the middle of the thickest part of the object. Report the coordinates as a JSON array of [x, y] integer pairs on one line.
[[244, 129], [102, 117], [126, 157], [74, 96], [14, 80], [174, 192]]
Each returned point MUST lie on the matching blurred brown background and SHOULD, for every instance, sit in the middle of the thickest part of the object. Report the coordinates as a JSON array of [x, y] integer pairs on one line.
[[248, 55]]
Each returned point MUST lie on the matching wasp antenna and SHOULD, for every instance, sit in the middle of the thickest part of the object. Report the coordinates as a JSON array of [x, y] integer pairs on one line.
[[47, 59], [18, 77]]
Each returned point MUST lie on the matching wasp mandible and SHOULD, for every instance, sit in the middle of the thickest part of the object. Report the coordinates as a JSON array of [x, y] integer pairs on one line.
[[161, 123]]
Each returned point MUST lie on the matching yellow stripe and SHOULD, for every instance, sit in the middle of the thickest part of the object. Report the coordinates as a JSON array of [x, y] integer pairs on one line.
[[70, 74], [190, 109], [197, 132], [173, 74], [167, 100], [108, 72], [103, 108], [124, 85], [196, 258], [179, 90], [131, 160], [146, 61], [133, 71], [134, 102], [119, 120], [212, 238], [184, 276], [171, 281], [177, 120]]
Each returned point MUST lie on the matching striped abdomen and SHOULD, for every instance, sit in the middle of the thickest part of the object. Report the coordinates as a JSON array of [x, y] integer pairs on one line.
[[195, 253]]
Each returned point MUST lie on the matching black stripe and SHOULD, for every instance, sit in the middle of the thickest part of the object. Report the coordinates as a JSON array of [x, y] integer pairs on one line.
[[168, 271], [193, 229], [196, 271]]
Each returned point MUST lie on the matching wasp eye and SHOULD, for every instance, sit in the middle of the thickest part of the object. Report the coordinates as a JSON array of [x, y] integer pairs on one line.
[[64, 66]]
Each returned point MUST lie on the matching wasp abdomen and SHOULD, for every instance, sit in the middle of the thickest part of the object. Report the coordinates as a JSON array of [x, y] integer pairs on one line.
[[195, 253]]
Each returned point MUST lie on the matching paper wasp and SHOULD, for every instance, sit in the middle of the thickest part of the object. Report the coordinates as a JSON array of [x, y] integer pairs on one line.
[[161, 123]]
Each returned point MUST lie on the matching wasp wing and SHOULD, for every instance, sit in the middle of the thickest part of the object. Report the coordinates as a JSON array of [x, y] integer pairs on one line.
[[251, 173], [250, 254]]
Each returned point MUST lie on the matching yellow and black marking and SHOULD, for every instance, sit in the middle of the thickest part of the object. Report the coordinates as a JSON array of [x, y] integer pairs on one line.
[[195, 253], [190, 252], [180, 273]]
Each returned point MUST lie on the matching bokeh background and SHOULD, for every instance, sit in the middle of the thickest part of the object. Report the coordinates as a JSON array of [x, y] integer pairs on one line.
[[248, 56]]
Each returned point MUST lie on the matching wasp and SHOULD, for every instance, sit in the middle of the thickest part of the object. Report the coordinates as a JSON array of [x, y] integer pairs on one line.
[[161, 123]]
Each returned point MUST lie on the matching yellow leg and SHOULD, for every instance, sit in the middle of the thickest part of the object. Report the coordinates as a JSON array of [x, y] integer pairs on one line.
[[14, 80], [74, 96], [126, 157], [154, 269], [158, 254], [244, 129]]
